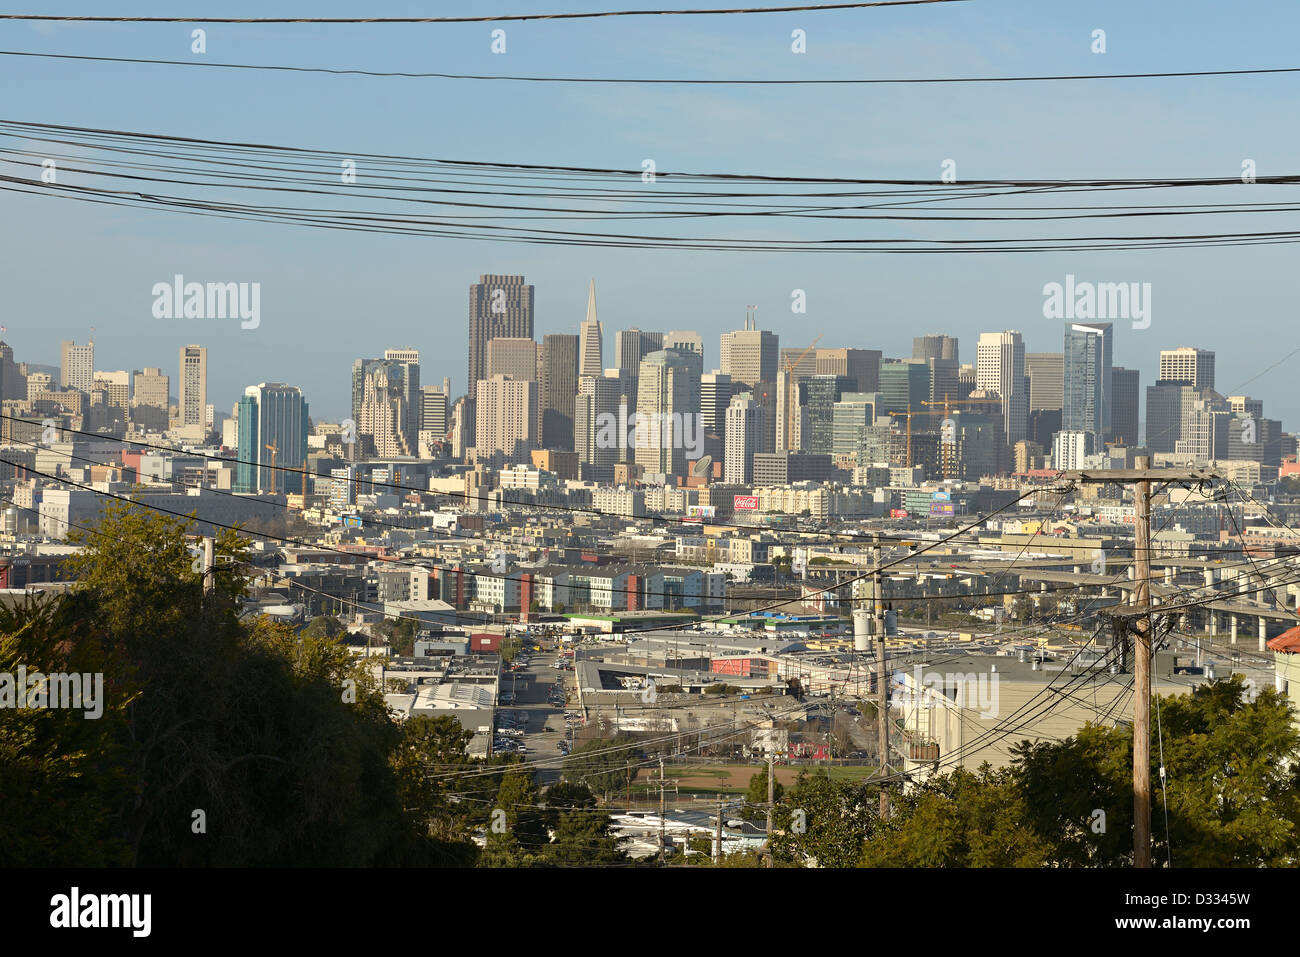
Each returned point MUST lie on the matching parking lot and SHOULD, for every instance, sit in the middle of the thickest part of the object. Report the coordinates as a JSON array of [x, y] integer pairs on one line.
[[531, 721]]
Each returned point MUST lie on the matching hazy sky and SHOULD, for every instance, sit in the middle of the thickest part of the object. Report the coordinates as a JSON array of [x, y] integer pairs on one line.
[[329, 297]]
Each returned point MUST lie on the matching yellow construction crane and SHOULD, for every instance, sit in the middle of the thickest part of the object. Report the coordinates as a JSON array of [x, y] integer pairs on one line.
[[789, 389], [947, 449], [909, 415]]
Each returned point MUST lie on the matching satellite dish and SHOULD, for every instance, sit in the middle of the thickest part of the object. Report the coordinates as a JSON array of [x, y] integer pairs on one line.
[[701, 467]]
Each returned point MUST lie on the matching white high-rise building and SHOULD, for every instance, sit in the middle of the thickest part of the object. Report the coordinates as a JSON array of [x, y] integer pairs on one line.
[[749, 355], [505, 420], [745, 424], [77, 365], [1194, 367], [194, 388], [1000, 368]]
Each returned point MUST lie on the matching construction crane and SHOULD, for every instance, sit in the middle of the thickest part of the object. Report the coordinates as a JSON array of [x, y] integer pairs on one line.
[[273, 448], [789, 389], [947, 449], [909, 413]]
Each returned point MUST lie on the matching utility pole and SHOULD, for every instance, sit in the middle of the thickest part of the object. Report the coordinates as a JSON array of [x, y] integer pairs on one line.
[[717, 856], [1139, 614], [771, 786], [882, 683], [1142, 671], [661, 812], [209, 566]]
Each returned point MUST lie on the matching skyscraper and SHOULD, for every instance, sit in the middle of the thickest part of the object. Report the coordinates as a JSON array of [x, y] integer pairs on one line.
[[595, 408], [744, 438], [591, 339], [860, 365], [410, 360], [716, 391], [272, 430], [1193, 366], [500, 307], [668, 395], [434, 414], [935, 346], [1087, 380], [817, 395], [749, 355], [633, 345], [516, 358], [685, 340], [1046, 372], [149, 406], [385, 415], [1000, 368], [193, 388], [1125, 392], [76, 365], [505, 420], [559, 388]]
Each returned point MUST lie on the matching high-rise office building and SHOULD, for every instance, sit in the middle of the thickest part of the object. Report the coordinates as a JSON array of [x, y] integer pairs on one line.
[[862, 366], [1046, 373], [516, 358], [935, 346], [591, 339], [385, 415], [595, 410], [410, 360], [668, 397], [685, 340], [633, 345], [500, 307], [1195, 367], [749, 355], [817, 395], [151, 400], [272, 430], [76, 365], [1164, 421], [1087, 380], [193, 388], [559, 389], [505, 420], [904, 385], [401, 380], [716, 392], [1124, 403], [1000, 368], [744, 438], [854, 414], [434, 414]]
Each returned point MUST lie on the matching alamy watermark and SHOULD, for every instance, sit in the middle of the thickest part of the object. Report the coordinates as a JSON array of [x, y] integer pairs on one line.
[[179, 299], [677, 430], [975, 691], [1102, 300], [37, 690]]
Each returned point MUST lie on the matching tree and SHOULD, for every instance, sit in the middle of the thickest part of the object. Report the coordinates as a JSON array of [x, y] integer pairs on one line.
[[324, 626], [582, 834], [600, 764], [824, 821], [516, 832], [756, 796], [961, 819]]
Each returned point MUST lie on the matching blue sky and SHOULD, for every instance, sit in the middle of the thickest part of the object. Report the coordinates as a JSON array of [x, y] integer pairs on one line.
[[330, 297]]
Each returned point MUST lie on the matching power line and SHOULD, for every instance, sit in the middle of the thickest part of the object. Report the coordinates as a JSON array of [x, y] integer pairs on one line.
[[494, 18], [651, 81]]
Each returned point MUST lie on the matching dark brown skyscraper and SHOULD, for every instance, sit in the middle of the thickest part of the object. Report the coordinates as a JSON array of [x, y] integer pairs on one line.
[[500, 307], [559, 364], [1124, 405]]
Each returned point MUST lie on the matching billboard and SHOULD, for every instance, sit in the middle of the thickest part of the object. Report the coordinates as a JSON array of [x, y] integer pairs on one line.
[[941, 510], [941, 496], [898, 513], [749, 502], [701, 511], [351, 521]]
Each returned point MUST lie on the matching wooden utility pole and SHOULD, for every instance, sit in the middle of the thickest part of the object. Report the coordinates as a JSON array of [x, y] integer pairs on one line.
[[771, 785], [882, 680], [661, 811], [209, 566], [717, 856], [1140, 614], [1142, 671]]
